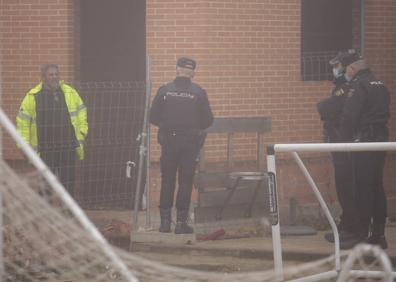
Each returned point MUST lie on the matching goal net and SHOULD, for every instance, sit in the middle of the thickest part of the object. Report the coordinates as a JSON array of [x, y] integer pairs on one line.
[[46, 237]]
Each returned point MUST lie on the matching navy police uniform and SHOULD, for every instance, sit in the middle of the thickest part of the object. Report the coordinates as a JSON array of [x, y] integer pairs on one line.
[[181, 110], [330, 110], [364, 119], [358, 111]]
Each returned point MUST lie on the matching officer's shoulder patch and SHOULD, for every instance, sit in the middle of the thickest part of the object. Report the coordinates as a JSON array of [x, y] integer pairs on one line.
[[339, 92]]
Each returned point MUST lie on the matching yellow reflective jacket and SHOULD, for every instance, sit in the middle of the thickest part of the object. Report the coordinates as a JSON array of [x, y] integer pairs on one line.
[[26, 117]]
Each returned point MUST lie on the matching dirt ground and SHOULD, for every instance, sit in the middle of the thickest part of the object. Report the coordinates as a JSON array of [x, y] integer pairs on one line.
[[224, 256], [117, 225]]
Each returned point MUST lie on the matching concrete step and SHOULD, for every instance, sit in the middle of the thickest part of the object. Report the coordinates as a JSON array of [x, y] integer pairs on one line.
[[197, 261], [294, 248], [169, 243]]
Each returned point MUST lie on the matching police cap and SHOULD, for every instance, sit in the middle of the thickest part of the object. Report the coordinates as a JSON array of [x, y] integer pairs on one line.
[[346, 58], [188, 63]]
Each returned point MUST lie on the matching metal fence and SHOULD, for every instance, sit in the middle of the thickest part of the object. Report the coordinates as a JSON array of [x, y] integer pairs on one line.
[[115, 117]]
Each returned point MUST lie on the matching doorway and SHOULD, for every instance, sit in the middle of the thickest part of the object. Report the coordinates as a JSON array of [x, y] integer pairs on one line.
[[112, 38]]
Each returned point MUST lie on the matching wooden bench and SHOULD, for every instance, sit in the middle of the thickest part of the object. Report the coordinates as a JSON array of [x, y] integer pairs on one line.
[[229, 194]]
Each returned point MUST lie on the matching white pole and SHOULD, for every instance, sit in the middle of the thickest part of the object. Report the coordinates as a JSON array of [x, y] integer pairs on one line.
[[142, 150], [324, 208], [65, 197], [276, 238], [1, 98], [321, 147], [336, 147], [2, 269], [148, 197]]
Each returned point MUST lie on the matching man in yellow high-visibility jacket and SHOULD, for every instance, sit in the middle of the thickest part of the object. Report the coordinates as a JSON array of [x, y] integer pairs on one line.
[[53, 120]]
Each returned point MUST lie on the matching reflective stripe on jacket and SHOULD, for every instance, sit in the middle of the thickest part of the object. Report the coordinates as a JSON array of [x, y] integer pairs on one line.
[[26, 118]]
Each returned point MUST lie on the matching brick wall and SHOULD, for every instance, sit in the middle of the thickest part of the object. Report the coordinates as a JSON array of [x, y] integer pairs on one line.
[[33, 33], [248, 59], [381, 46], [248, 55]]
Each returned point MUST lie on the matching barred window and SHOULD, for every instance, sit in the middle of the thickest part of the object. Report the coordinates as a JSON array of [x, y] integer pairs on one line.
[[326, 27]]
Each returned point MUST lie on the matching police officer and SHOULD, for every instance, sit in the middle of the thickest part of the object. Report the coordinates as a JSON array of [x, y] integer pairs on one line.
[[330, 110], [364, 119], [181, 110]]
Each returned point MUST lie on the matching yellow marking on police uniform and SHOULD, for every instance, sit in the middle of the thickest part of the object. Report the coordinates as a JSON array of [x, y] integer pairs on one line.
[[339, 92]]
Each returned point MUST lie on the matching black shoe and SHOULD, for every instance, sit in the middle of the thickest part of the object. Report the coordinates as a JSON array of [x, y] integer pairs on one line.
[[351, 241], [183, 228], [378, 240], [181, 224], [329, 237], [165, 227], [166, 220]]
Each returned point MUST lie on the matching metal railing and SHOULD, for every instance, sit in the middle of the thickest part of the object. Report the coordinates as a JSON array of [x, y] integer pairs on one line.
[[274, 211]]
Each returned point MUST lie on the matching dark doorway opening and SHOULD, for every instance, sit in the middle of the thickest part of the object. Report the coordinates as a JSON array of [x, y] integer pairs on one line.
[[112, 84], [113, 40]]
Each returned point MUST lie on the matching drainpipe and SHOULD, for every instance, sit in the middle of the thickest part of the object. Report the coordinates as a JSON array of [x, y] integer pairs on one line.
[[362, 26]]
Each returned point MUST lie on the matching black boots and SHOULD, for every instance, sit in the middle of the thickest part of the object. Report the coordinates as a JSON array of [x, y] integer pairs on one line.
[[166, 220], [181, 225], [377, 236], [183, 228], [348, 238]]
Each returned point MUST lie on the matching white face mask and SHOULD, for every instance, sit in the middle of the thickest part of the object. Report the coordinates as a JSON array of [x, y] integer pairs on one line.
[[337, 72]]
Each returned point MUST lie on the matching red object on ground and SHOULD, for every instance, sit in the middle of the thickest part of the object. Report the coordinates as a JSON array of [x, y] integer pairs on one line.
[[214, 235]]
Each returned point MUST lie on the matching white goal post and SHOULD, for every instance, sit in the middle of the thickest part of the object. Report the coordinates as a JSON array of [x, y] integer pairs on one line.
[[274, 211]]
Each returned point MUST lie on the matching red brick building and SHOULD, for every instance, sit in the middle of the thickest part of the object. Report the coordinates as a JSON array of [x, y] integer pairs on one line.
[[249, 53]]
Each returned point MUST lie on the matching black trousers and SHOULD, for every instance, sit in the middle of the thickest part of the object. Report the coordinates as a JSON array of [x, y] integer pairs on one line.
[[346, 190], [62, 164], [178, 156], [370, 196]]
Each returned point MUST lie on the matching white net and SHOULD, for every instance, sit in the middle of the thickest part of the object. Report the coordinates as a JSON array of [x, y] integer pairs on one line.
[[367, 263], [47, 238], [45, 242], [42, 242]]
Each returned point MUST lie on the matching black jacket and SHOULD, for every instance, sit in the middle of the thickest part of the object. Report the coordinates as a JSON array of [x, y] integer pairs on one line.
[[181, 105], [366, 108], [330, 109]]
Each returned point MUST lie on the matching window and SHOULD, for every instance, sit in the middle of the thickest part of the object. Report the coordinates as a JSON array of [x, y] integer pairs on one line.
[[326, 28]]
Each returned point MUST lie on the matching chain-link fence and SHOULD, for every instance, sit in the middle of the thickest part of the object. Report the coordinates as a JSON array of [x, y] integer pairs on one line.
[[114, 114]]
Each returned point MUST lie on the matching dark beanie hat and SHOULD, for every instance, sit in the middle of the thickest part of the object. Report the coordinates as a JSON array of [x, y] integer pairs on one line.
[[188, 63], [346, 58]]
